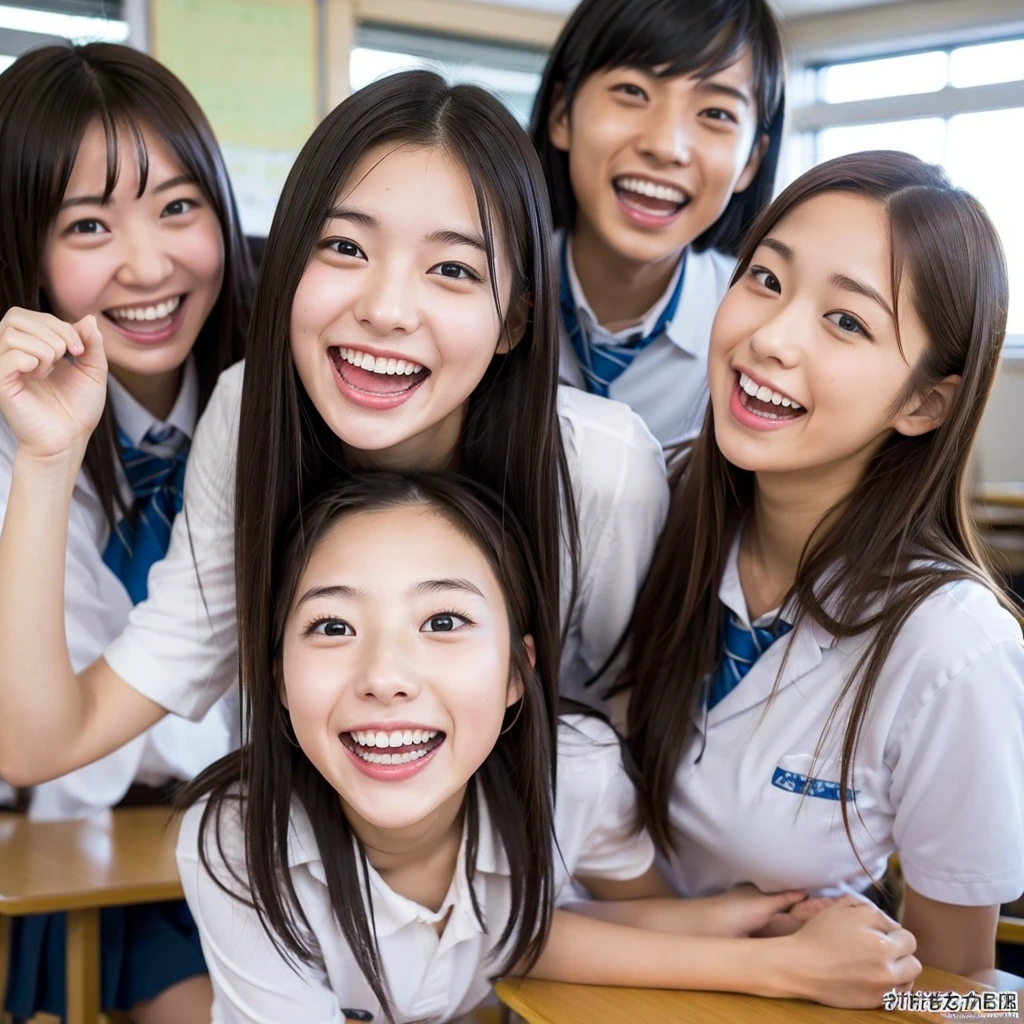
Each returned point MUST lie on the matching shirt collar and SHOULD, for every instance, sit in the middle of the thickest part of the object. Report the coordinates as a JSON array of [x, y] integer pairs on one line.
[[647, 322], [136, 421], [391, 910]]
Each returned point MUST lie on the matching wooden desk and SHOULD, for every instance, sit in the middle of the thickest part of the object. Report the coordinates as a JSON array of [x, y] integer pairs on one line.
[[546, 1002], [1008, 495], [80, 867]]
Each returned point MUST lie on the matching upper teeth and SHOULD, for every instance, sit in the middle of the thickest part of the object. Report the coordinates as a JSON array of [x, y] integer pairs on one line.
[[765, 394], [393, 739], [157, 312], [378, 364], [649, 188]]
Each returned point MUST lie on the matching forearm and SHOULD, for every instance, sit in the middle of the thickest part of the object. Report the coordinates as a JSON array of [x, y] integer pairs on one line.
[[41, 703], [952, 938], [673, 915], [586, 951]]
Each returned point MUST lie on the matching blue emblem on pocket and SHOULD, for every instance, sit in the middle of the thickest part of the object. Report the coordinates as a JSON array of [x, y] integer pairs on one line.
[[794, 782]]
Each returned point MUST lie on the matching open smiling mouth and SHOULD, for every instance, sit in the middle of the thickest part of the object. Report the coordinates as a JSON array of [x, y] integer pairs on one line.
[[152, 322], [395, 748], [648, 198], [763, 401], [376, 375]]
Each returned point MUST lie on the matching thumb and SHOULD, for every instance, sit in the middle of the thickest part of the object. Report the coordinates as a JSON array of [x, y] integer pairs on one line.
[[779, 902], [92, 354]]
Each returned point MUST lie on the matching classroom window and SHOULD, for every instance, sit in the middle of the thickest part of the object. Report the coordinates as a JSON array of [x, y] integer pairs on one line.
[[77, 20], [512, 73], [961, 107]]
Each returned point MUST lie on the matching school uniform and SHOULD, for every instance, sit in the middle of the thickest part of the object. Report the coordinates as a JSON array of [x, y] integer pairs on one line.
[[938, 773], [430, 976], [179, 647], [658, 366], [97, 603]]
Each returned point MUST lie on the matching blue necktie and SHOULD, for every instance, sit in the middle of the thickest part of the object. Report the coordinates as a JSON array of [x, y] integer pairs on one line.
[[157, 483], [741, 647], [601, 364]]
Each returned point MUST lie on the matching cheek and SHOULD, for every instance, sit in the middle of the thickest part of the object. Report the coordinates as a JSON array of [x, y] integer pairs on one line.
[[201, 249], [466, 333], [311, 689], [74, 281]]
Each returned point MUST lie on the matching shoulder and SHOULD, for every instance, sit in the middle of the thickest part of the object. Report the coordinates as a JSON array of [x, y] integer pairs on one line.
[[589, 756], [220, 835], [713, 269], [604, 442]]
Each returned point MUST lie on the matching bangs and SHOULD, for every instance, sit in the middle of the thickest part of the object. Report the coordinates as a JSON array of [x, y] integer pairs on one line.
[[702, 39]]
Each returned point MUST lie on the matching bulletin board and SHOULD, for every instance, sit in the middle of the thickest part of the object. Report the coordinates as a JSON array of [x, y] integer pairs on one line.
[[251, 64]]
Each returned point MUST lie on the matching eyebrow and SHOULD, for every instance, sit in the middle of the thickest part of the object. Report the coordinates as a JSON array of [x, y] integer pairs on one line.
[[444, 237], [435, 586], [837, 280], [721, 89], [175, 182]]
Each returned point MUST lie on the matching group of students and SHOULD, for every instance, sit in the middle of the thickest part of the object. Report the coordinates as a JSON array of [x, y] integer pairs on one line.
[[428, 528]]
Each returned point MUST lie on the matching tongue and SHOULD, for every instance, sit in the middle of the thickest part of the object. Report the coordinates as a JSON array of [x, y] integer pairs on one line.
[[377, 383], [648, 203]]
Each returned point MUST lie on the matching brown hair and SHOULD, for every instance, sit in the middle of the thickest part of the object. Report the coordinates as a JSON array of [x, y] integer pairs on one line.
[[904, 531], [48, 98]]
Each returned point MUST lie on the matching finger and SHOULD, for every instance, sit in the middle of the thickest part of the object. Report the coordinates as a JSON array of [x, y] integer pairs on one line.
[[44, 326], [91, 353], [17, 362], [905, 971], [902, 942], [782, 901], [43, 350], [809, 908]]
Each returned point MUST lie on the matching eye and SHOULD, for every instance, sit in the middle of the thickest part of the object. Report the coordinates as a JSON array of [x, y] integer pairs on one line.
[[329, 627], [445, 622], [455, 272], [177, 207], [718, 114], [630, 89], [848, 324], [766, 279], [86, 227], [344, 247]]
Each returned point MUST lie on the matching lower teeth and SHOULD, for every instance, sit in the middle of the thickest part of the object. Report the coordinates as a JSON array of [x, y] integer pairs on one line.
[[374, 758]]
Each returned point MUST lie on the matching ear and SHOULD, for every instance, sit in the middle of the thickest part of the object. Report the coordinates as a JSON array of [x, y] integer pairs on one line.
[[925, 413], [558, 119], [282, 691], [753, 164], [515, 326], [516, 689]]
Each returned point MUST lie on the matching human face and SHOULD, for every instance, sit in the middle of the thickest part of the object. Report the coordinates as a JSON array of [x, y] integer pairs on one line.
[[398, 639], [810, 322], [148, 267], [394, 322], [654, 161]]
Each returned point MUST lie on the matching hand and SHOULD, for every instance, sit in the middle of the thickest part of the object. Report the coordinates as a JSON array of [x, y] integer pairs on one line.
[[792, 920], [746, 910], [52, 404], [850, 954]]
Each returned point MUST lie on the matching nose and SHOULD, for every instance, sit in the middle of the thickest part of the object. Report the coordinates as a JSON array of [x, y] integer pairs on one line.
[[145, 261], [778, 339], [388, 677], [387, 303], [665, 138]]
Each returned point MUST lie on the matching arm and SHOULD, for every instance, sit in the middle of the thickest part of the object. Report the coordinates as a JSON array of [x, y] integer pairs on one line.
[[52, 405], [961, 940], [849, 955]]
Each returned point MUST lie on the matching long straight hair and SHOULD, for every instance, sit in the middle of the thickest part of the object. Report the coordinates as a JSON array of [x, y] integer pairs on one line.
[[667, 38], [260, 781], [510, 439], [905, 530], [48, 99]]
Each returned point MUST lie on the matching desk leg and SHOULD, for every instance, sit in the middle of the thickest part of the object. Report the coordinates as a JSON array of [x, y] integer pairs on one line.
[[83, 955]]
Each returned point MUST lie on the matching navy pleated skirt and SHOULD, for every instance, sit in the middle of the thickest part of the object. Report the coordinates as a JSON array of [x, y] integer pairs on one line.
[[144, 950]]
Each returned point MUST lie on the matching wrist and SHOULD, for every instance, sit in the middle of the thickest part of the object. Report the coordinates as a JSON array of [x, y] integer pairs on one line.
[[773, 968], [58, 467]]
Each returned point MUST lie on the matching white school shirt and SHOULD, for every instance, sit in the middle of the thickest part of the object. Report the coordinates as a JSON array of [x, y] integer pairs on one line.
[[429, 976], [939, 771], [96, 610], [667, 381], [180, 652]]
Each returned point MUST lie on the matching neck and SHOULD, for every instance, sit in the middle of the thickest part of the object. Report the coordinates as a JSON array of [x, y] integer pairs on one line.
[[156, 393], [432, 450], [419, 860], [787, 509], [619, 290]]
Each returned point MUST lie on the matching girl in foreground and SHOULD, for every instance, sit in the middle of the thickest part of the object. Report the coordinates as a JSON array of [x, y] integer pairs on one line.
[[823, 670], [382, 842]]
